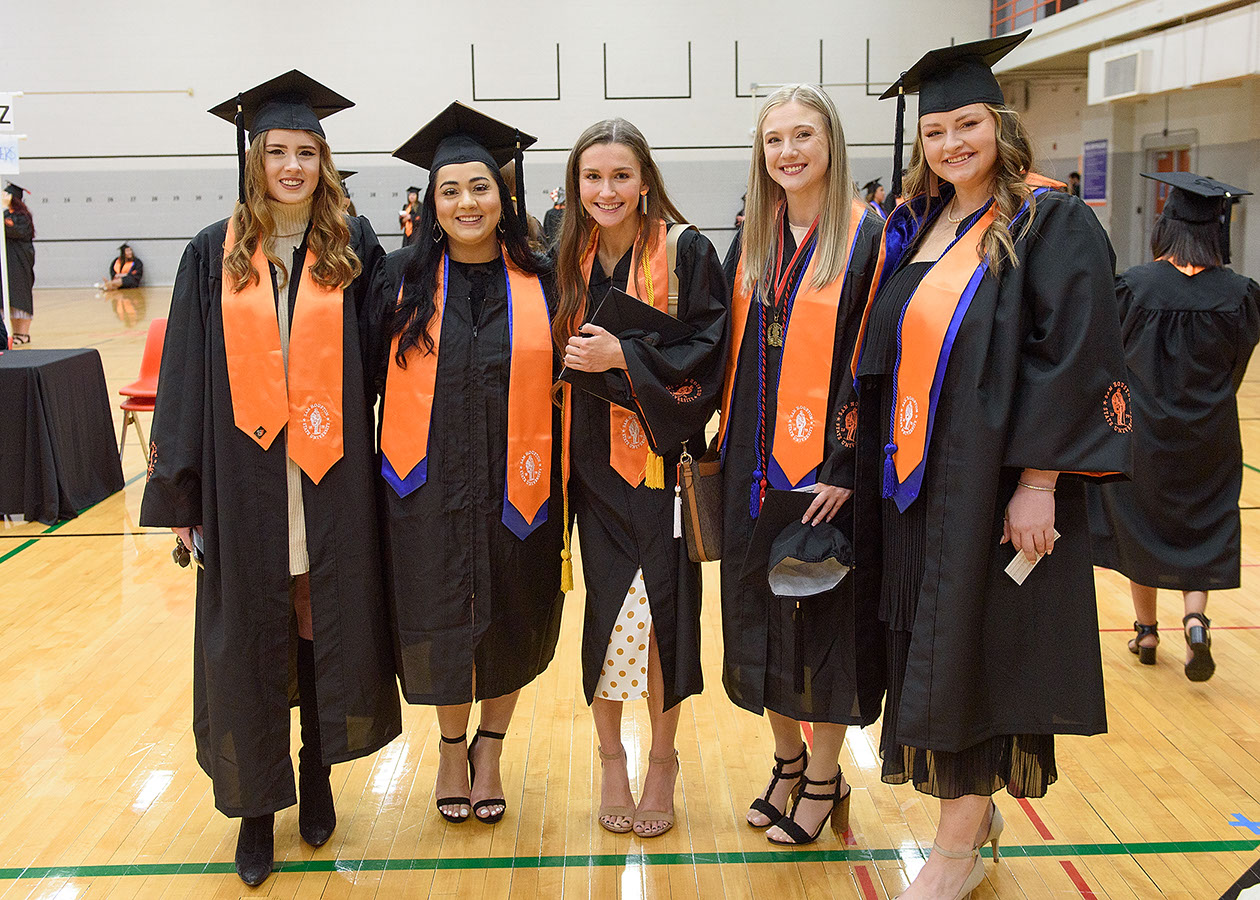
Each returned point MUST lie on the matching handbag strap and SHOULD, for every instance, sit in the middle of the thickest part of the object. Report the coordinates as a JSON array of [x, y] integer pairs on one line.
[[672, 234]]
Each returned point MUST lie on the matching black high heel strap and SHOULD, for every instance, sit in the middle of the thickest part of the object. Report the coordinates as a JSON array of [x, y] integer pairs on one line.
[[455, 740], [493, 735], [1148, 630], [1194, 615], [762, 804]]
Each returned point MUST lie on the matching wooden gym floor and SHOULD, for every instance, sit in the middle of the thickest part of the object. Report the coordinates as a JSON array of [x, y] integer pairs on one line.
[[100, 795]]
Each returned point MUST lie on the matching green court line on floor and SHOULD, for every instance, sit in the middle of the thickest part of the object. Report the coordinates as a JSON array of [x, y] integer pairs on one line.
[[53, 527], [620, 860]]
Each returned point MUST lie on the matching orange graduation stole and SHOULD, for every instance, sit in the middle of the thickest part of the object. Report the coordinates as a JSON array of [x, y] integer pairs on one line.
[[263, 399], [124, 269], [409, 394], [804, 373], [628, 450]]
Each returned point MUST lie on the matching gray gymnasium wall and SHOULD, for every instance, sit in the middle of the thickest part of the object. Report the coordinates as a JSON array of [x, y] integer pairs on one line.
[[120, 147]]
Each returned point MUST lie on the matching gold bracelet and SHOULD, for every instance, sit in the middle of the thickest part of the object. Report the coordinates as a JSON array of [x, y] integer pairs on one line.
[[1033, 487]]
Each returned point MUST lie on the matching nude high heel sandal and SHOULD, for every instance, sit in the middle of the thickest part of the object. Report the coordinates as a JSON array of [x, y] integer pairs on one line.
[[615, 812], [996, 824]]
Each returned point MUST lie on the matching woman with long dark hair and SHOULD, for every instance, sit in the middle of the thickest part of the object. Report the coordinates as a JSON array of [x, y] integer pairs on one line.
[[470, 487], [261, 463], [988, 364], [799, 271], [19, 236], [641, 638], [1190, 325]]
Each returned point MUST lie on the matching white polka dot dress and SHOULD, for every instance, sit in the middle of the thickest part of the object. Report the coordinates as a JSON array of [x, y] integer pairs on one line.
[[624, 673]]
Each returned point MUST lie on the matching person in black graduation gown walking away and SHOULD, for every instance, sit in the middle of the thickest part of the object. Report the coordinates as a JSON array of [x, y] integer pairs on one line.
[[262, 453], [1189, 326], [799, 270], [988, 367], [470, 465], [642, 633], [409, 217], [19, 266]]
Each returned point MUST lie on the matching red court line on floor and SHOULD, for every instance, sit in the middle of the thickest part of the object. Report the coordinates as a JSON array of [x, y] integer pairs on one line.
[[865, 882], [1077, 880], [1214, 628], [809, 734], [1035, 819]]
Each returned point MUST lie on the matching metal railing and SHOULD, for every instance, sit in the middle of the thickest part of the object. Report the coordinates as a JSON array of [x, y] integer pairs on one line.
[[1013, 15]]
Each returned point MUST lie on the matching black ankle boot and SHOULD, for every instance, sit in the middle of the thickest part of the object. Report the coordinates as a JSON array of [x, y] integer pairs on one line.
[[317, 817], [255, 849]]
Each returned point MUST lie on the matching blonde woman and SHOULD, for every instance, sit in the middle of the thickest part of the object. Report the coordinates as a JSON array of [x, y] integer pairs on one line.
[[262, 464], [800, 272]]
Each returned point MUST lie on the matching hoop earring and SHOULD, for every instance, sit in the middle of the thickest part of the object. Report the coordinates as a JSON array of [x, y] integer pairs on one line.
[[437, 233], [502, 226]]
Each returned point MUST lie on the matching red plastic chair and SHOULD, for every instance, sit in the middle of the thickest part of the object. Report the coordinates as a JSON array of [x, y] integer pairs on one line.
[[141, 394]]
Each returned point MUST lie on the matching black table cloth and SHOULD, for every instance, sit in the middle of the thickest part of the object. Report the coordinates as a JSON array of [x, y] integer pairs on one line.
[[57, 450]]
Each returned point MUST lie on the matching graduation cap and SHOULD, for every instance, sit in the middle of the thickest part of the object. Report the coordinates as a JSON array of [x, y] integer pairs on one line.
[[460, 134], [16, 190], [342, 175], [1198, 200], [871, 186], [949, 78], [414, 190], [292, 101], [626, 317]]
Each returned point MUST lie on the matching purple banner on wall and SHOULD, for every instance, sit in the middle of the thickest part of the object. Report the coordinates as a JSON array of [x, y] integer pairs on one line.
[[1094, 173]]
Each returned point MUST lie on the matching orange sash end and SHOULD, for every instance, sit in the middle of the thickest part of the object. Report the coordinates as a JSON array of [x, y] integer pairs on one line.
[[405, 431]]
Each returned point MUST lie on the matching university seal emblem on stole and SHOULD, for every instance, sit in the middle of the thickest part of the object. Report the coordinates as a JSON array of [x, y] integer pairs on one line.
[[909, 415], [315, 421], [1116, 408], [632, 433], [801, 424], [531, 467]]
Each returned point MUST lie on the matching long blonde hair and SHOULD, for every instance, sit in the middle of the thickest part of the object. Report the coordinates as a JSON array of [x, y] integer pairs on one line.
[[336, 264], [1010, 189], [761, 230], [576, 227]]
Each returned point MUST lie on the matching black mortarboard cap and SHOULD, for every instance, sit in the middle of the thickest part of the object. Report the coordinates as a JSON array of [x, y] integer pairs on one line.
[[292, 101], [414, 190], [15, 190], [343, 174], [948, 78], [1198, 200], [871, 186], [460, 134]]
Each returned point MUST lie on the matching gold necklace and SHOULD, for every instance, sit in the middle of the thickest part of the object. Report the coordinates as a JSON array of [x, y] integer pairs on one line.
[[953, 201]]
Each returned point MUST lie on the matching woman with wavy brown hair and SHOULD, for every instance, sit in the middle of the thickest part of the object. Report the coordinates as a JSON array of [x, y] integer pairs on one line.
[[644, 401], [262, 464], [986, 374]]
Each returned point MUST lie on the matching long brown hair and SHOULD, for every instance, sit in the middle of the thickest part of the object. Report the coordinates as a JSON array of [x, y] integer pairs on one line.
[[335, 262], [576, 227], [1010, 190], [761, 231]]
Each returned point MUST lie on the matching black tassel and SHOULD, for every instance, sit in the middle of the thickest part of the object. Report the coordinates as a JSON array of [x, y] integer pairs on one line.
[[798, 626], [899, 142], [520, 184], [240, 149]]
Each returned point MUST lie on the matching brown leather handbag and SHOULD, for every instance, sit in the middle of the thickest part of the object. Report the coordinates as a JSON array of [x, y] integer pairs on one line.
[[700, 486]]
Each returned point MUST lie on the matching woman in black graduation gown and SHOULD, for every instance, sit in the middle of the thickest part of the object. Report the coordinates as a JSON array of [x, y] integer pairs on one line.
[[470, 489], [125, 270], [19, 264], [974, 431], [800, 271], [276, 484], [642, 632], [1189, 327], [409, 217]]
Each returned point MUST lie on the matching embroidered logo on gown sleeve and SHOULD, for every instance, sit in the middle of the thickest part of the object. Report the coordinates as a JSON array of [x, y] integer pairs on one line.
[[686, 392], [1117, 409], [846, 424]]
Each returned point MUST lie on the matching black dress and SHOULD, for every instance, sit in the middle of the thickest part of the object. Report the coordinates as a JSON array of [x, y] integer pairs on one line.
[[624, 528], [465, 591], [983, 673], [204, 470], [1187, 341], [19, 235], [843, 662]]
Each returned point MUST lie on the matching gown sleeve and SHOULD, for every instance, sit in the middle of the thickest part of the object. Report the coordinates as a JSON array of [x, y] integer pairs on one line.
[[1248, 333], [172, 496], [677, 386], [1070, 406], [18, 227]]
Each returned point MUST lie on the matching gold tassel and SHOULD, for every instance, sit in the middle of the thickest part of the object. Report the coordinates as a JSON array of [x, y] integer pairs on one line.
[[566, 565], [566, 555], [654, 474]]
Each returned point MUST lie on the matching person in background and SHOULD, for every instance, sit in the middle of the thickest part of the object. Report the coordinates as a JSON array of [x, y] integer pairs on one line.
[[1074, 184], [1190, 325], [19, 233], [537, 237], [739, 216], [125, 271], [875, 196], [409, 217], [554, 216], [347, 204]]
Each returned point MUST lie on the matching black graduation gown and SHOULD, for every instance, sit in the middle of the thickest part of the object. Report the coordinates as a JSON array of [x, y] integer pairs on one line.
[[464, 590], [204, 470], [844, 669], [133, 278], [414, 215], [622, 528], [1187, 342], [1036, 359], [19, 235]]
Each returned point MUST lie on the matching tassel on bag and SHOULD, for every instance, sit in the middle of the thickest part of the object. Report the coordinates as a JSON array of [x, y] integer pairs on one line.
[[678, 525]]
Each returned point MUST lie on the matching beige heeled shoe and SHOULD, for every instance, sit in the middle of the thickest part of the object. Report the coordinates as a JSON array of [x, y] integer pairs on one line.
[[996, 824], [974, 877], [643, 816], [615, 812]]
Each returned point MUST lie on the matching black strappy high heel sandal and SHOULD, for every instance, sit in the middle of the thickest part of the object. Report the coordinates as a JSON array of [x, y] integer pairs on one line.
[[1145, 655], [472, 777], [762, 804], [839, 811], [454, 818], [1199, 639]]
